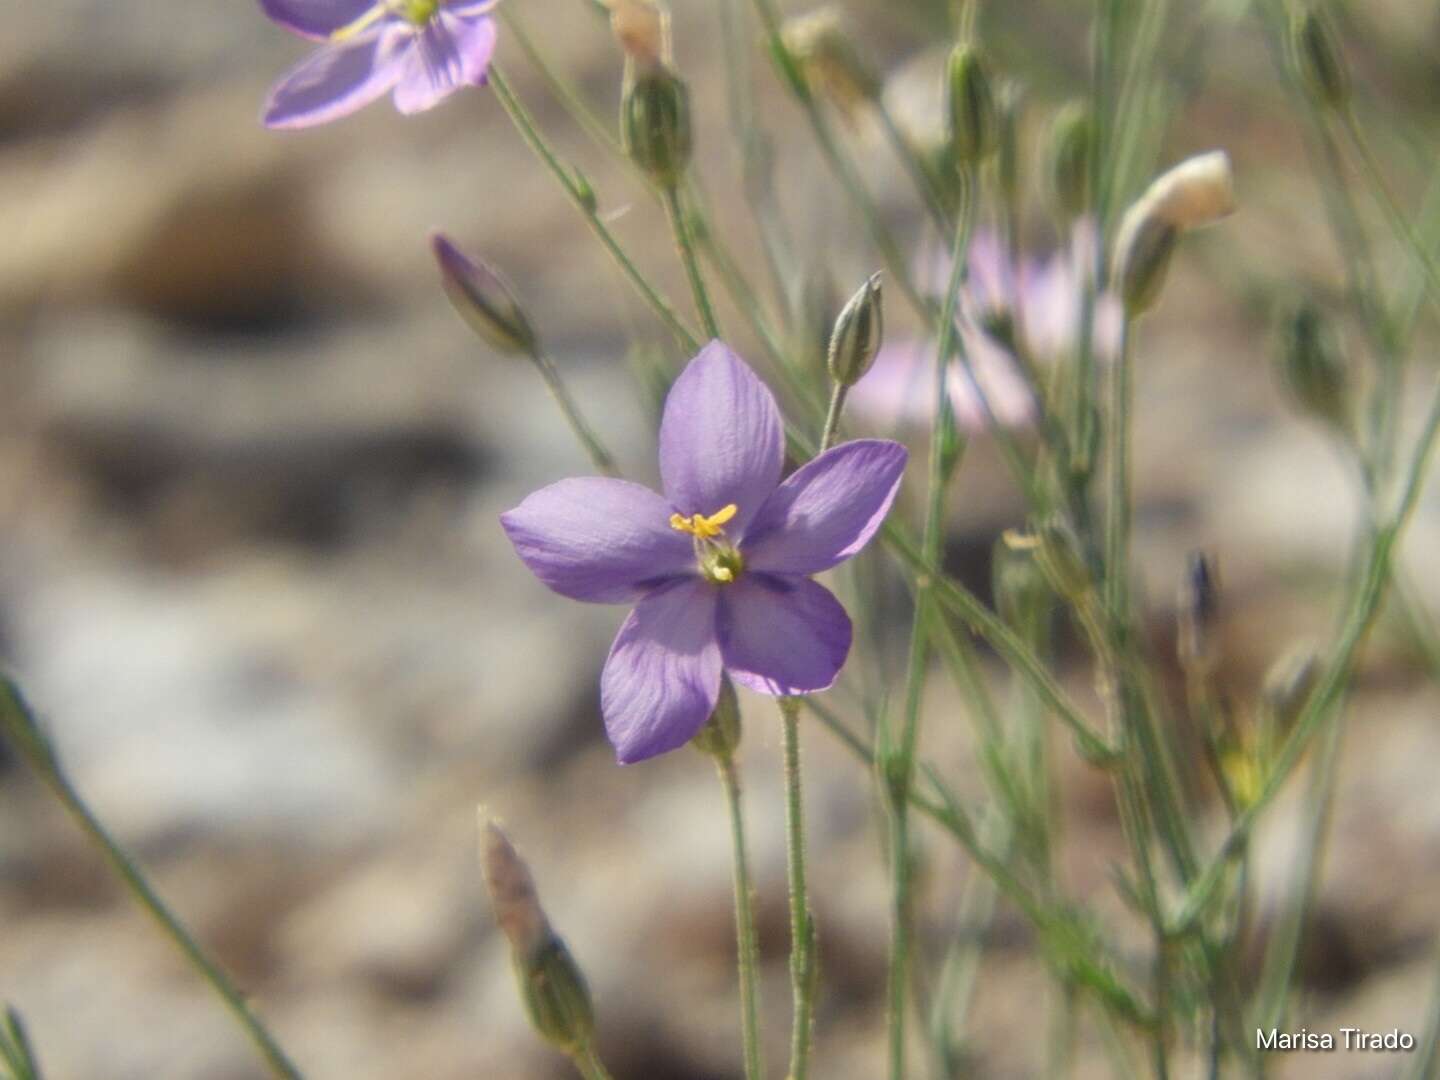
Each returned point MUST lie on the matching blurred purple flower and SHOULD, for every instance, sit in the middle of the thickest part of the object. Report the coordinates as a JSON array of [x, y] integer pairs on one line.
[[719, 566], [1040, 300], [423, 50]]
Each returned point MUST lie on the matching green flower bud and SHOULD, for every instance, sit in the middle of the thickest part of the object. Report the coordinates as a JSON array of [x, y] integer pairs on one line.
[[1289, 683], [484, 300], [1143, 260], [1312, 367], [556, 997], [1072, 145], [552, 987], [1318, 61], [655, 120], [1057, 551], [856, 337], [721, 733], [973, 122], [1022, 590]]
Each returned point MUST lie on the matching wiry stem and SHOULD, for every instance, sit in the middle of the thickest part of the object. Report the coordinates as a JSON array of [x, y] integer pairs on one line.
[[19, 725], [803, 969], [746, 939], [685, 244]]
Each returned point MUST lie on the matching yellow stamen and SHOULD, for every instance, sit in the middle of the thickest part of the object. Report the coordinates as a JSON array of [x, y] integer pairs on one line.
[[705, 528], [349, 30]]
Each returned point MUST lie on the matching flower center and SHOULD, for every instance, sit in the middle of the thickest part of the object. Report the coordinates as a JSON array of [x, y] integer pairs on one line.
[[719, 562], [415, 12]]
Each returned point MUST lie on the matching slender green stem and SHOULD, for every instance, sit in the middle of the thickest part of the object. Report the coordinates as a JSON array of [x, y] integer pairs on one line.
[[600, 457], [565, 92], [919, 173], [838, 392], [19, 724], [903, 765], [584, 201], [685, 245], [745, 936], [588, 1062], [803, 968], [1117, 506]]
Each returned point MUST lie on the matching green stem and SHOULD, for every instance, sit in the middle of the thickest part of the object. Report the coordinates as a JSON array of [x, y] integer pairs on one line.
[[600, 457], [1117, 506], [745, 936], [838, 391], [919, 174], [588, 1062], [18, 722], [685, 245], [802, 922], [584, 201]]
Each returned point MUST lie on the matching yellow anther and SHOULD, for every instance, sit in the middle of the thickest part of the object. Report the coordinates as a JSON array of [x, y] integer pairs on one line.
[[705, 528]]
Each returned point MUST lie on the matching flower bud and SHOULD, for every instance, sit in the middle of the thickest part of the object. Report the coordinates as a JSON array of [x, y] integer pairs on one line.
[[720, 735], [1022, 591], [1197, 609], [556, 997], [552, 987], [643, 30], [1056, 550], [1312, 367], [1318, 61], [484, 300], [970, 106], [856, 337], [1197, 192], [1072, 146], [1288, 684], [827, 57], [655, 119]]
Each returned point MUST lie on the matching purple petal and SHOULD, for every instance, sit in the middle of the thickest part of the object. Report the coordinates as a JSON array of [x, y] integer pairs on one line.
[[338, 79], [827, 510], [782, 635], [592, 538], [316, 19], [450, 52], [720, 439], [662, 677]]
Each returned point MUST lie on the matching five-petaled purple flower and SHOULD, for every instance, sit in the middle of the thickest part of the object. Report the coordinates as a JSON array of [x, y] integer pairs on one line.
[[424, 50], [719, 564]]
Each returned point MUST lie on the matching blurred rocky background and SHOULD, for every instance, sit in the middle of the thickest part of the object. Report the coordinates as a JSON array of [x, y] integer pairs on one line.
[[252, 577]]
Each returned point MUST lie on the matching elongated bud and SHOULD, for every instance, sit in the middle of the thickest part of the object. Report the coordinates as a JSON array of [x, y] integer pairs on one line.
[[857, 334], [720, 736], [1022, 590], [1197, 192], [826, 54], [655, 119], [1289, 683], [484, 300], [1318, 61], [552, 987], [643, 30], [1072, 145], [1198, 608], [1312, 367], [1056, 551], [970, 106]]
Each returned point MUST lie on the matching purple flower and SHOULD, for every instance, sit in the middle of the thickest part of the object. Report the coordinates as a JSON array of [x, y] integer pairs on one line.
[[424, 50], [719, 565]]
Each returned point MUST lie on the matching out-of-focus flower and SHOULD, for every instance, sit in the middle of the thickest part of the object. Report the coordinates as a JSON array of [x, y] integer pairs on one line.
[[1039, 302], [423, 50], [719, 565]]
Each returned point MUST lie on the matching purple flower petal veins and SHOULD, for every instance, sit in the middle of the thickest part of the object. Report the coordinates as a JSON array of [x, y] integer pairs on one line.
[[599, 540], [721, 439], [662, 677], [719, 564], [423, 51]]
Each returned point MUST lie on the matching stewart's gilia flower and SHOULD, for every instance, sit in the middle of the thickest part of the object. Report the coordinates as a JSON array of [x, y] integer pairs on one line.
[[423, 50], [719, 565]]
